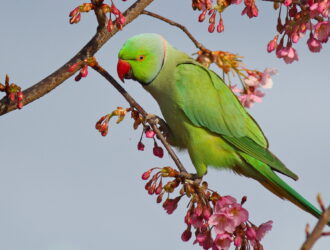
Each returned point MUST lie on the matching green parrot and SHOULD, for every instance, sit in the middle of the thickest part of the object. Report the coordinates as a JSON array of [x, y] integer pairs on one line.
[[204, 116]]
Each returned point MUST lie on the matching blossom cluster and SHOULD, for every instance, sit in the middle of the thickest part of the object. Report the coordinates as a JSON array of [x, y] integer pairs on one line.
[[252, 80], [83, 66], [75, 15], [217, 221], [102, 125], [208, 8], [302, 17], [13, 92]]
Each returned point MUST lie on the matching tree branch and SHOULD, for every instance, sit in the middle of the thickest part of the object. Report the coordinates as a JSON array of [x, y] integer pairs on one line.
[[317, 231], [180, 26], [60, 75], [137, 106]]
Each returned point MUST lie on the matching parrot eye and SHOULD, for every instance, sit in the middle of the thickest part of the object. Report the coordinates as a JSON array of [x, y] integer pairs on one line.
[[140, 58]]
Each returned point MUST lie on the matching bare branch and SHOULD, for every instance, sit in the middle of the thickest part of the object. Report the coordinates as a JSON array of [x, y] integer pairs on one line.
[[137, 106], [60, 75], [317, 231], [180, 26]]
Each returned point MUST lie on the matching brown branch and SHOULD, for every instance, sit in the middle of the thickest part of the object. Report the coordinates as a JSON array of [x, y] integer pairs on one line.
[[180, 26], [100, 15], [317, 231], [137, 106], [60, 75]]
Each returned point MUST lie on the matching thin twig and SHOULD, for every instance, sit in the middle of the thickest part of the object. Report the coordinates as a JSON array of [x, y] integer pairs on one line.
[[137, 106], [180, 26], [60, 75], [317, 231]]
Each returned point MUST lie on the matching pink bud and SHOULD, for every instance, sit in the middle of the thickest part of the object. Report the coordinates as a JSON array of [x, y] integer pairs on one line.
[[207, 212], [211, 28], [151, 189], [146, 175], [244, 198], [20, 105], [160, 198], [12, 96], [220, 26], [287, 2], [140, 146], [272, 44], [84, 71], [158, 151], [201, 17], [73, 67], [150, 133], [78, 77], [159, 188], [75, 19], [110, 25], [20, 96], [74, 12], [146, 187], [122, 19], [238, 241], [186, 235], [199, 210], [212, 18], [251, 233], [114, 9]]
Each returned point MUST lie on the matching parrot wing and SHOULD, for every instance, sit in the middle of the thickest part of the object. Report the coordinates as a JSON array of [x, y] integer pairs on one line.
[[209, 103]]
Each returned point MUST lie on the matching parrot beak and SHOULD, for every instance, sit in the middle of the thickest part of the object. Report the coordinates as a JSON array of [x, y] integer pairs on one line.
[[124, 70]]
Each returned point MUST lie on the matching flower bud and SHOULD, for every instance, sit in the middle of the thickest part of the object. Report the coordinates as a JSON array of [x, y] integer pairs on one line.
[[201, 17], [140, 147], [150, 133], [186, 235]]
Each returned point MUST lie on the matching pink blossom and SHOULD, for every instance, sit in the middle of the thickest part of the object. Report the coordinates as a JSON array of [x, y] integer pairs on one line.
[[263, 229], [227, 215], [251, 81], [236, 1], [289, 54], [322, 31], [224, 201], [222, 222], [266, 80], [251, 97], [223, 241], [313, 44], [235, 89], [171, 204]]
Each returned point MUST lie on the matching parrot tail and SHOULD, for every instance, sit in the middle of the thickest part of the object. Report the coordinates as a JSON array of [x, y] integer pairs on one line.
[[278, 187]]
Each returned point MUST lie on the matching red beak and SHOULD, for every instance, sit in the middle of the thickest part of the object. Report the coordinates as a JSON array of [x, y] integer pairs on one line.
[[123, 67]]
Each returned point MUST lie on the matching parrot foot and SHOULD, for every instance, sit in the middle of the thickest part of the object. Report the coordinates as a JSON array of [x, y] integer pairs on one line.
[[193, 177]]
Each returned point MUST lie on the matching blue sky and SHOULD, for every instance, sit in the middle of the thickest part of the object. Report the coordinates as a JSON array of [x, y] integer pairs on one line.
[[64, 187]]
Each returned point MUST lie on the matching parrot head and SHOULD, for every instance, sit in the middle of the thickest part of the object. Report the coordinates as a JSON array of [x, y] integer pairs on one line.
[[141, 58]]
